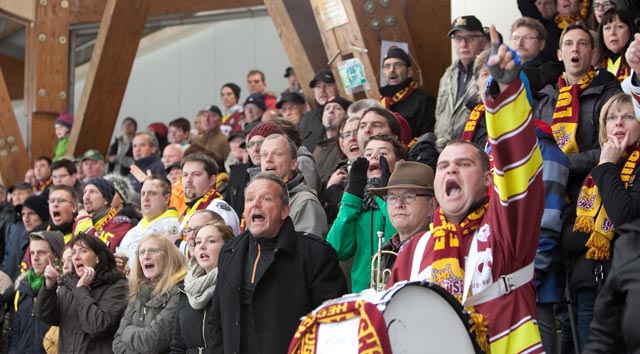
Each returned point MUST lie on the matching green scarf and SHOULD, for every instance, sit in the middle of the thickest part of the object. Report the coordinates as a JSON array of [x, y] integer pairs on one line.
[[35, 281]]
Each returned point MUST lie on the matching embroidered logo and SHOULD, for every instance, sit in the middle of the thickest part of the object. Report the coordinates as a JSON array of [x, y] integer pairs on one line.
[[607, 225], [447, 279], [562, 137]]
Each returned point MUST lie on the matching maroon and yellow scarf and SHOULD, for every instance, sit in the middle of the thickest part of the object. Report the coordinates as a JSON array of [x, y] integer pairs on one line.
[[472, 123], [41, 187], [400, 96], [372, 332], [565, 117], [621, 70], [564, 21], [447, 266], [591, 216], [201, 203]]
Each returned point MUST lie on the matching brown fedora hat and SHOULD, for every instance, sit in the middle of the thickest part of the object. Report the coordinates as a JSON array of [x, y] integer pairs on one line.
[[408, 174]]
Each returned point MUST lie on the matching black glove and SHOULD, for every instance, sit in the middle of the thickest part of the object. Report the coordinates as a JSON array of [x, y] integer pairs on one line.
[[504, 76], [358, 177], [386, 174]]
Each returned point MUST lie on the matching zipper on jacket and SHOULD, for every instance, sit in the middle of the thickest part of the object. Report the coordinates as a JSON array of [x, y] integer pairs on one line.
[[204, 339], [255, 266]]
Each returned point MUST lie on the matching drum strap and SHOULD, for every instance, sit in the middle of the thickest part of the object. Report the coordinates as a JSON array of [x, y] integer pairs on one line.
[[504, 285], [418, 255]]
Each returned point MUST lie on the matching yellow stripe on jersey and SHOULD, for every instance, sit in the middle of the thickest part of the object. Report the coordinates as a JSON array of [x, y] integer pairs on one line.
[[516, 181], [525, 336], [515, 114]]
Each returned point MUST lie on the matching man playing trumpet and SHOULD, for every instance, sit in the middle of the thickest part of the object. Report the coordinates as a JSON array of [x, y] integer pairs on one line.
[[410, 204]]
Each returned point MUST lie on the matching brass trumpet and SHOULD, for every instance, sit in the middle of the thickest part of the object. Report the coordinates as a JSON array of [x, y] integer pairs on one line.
[[379, 274]]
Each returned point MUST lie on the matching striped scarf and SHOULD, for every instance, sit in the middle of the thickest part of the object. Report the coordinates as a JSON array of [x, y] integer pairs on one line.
[[565, 117], [399, 96], [618, 67], [564, 21], [472, 123], [372, 330], [591, 216]]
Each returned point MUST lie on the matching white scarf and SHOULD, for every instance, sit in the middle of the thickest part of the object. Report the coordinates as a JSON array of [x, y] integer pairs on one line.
[[199, 285]]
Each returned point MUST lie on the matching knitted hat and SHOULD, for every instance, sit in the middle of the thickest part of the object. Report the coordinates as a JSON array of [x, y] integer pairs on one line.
[[397, 53], [55, 239], [160, 129], [121, 184], [405, 129], [105, 187], [39, 206], [265, 129], [65, 119], [343, 102], [257, 99]]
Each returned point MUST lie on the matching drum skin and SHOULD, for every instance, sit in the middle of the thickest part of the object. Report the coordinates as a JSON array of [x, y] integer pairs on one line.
[[420, 317]]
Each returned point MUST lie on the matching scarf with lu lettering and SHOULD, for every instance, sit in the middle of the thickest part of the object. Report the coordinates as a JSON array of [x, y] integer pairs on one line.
[[472, 123], [591, 216], [565, 116]]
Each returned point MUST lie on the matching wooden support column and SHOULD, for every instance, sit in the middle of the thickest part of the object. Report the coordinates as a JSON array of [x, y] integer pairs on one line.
[[368, 24], [432, 45], [14, 161], [46, 78], [295, 24], [13, 70], [120, 31]]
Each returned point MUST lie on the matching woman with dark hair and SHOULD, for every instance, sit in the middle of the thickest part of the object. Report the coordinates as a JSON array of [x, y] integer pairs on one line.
[[614, 36], [88, 302]]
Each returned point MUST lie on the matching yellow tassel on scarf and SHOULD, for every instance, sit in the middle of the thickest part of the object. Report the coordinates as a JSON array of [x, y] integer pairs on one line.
[[479, 329], [599, 246]]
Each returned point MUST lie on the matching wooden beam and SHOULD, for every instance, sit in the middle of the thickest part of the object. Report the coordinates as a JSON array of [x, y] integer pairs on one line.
[[14, 161], [84, 11], [24, 10], [431, 43], [46, 74], [300, 37], [13, 70], [120, 31]]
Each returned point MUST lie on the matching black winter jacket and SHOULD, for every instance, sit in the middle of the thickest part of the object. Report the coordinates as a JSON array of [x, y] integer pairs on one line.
[[26, 332], [304, 272]]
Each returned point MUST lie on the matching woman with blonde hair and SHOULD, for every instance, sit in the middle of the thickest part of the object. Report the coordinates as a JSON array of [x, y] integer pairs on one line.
[[147, 323], [197, 291], [608, 199]]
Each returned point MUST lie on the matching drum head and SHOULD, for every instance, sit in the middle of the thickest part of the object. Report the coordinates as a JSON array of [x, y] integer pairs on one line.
[[423, 320]]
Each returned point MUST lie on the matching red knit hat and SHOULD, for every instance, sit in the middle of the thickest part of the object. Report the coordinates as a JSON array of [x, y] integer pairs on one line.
[[65, 119], [405, 129], [265, 129], [160, 129]]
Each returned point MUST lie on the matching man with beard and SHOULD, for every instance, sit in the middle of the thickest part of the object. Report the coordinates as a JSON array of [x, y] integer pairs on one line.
[[98, 218], [403, 94], [199, 173]]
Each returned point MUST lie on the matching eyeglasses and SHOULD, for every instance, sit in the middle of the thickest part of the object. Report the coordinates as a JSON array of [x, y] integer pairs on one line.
[[187, 231], [348, 134], [406, 198], [254, 143], [395, 66], [58, 200], [149, 251], [625, 117], [524, 38], [603, 5], [468, 38]]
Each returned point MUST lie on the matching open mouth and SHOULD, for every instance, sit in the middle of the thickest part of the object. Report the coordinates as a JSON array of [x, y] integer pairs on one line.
[[256, 217], [575, 59], [149, 266], [452, 189], [203, 256], [269, 169], [56, 214], [354, 147]]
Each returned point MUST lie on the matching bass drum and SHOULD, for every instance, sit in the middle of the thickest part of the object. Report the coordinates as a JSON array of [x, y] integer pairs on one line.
[[420, 317]]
